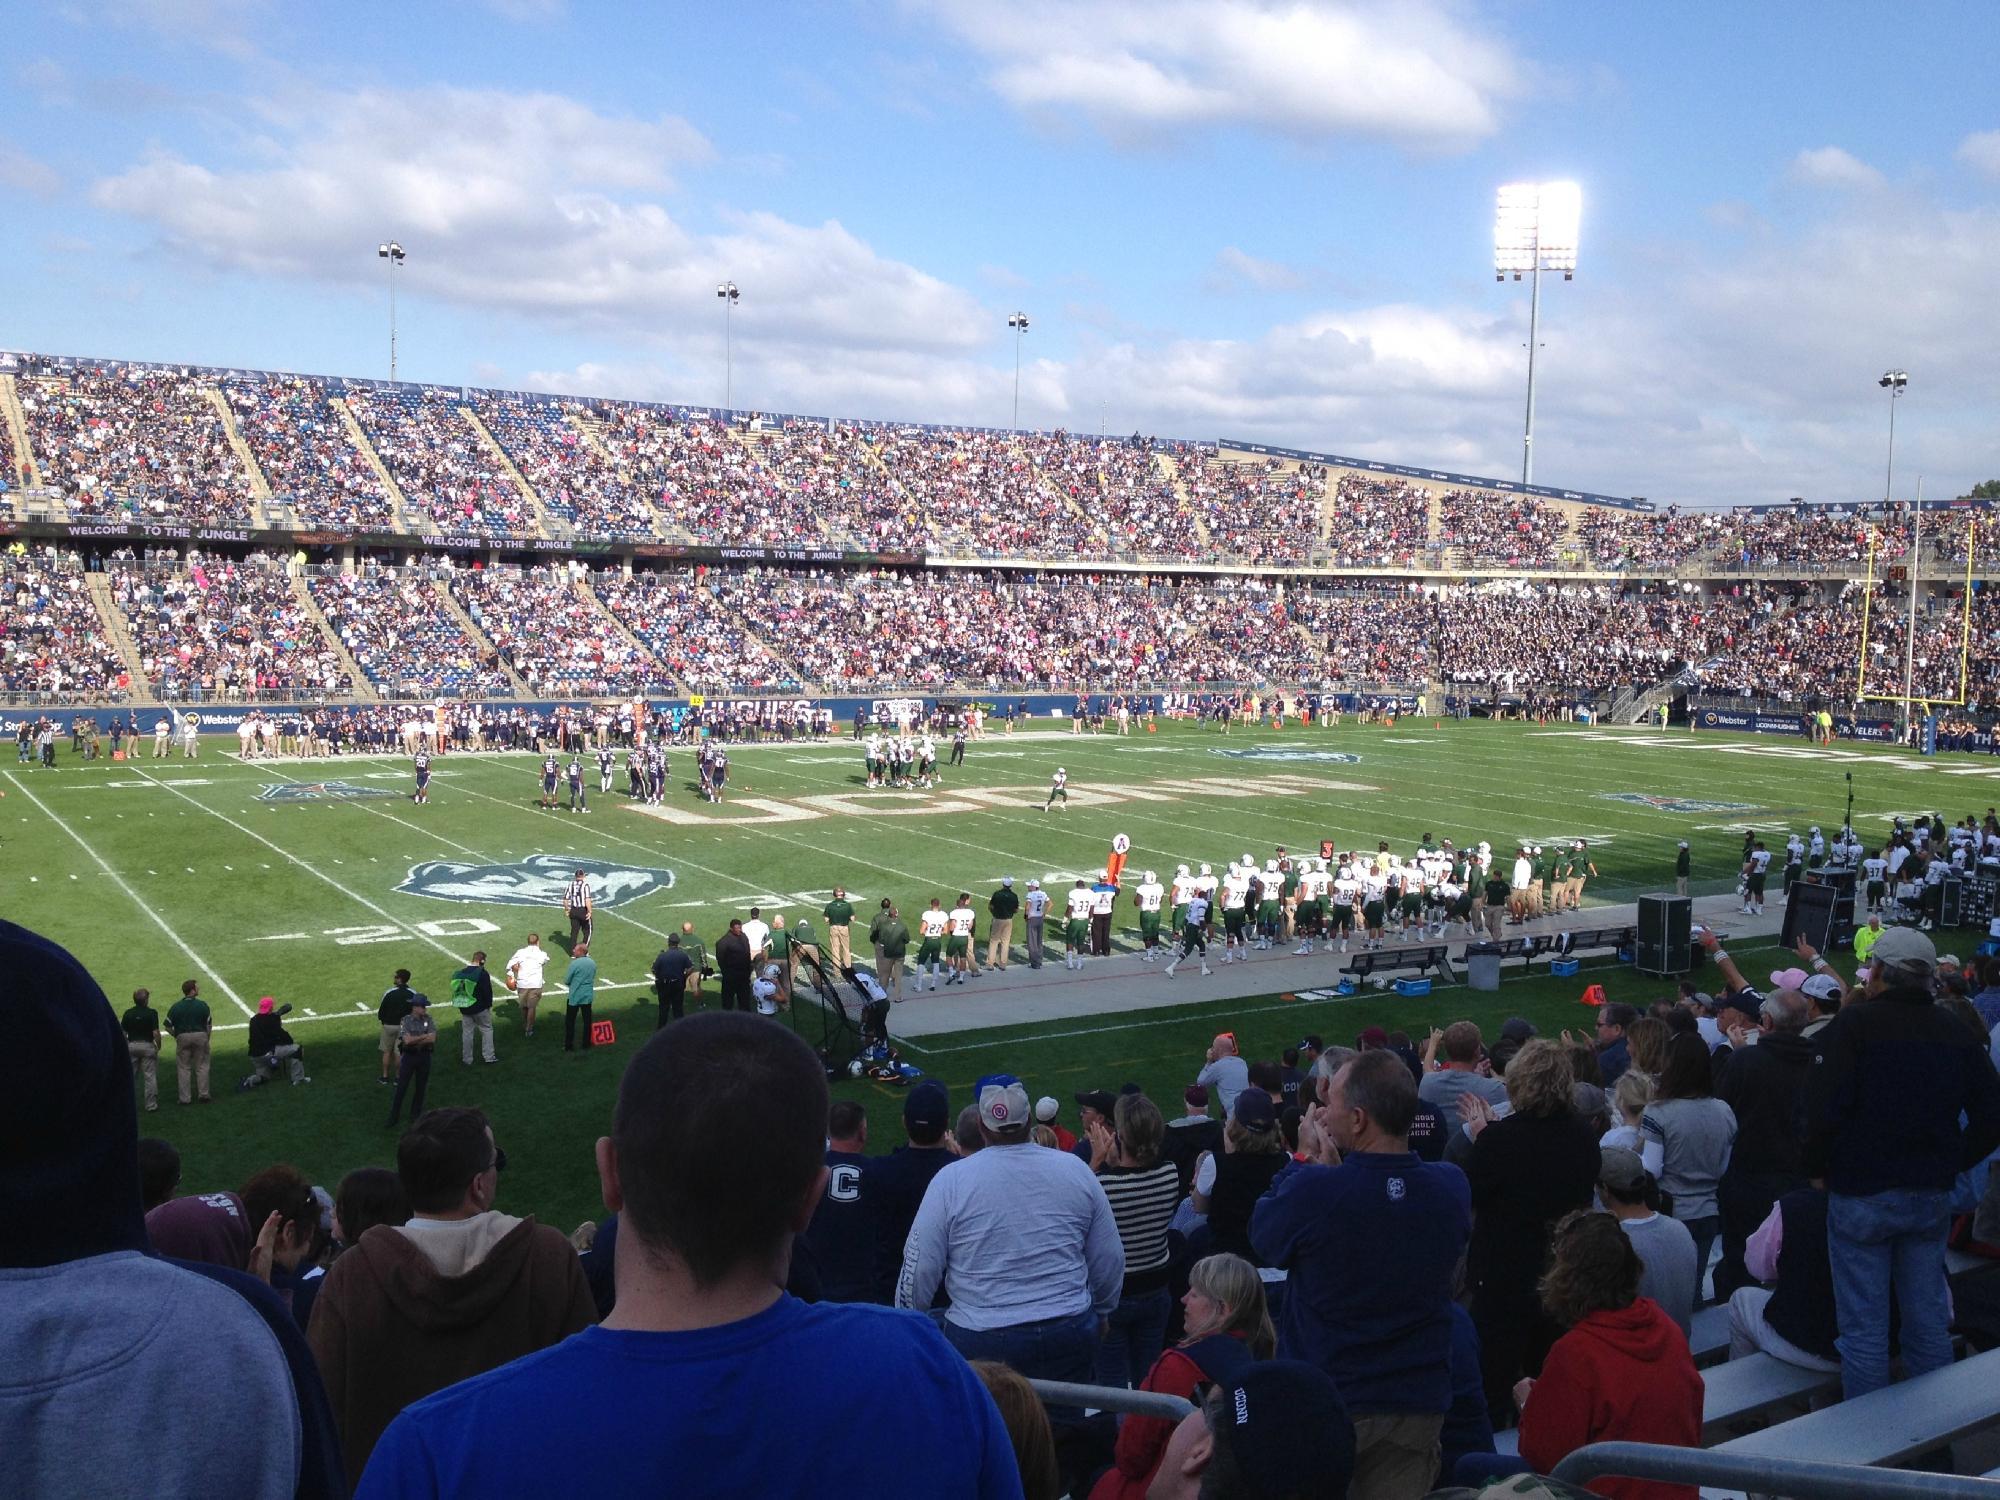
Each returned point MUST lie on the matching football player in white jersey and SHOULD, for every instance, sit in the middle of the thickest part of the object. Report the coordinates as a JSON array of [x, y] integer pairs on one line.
[[1755, 871], [1235, 901], [1076, 928], [1875, 871], [1177, 896], [872, 753], [1149, 897], [1205, 885]]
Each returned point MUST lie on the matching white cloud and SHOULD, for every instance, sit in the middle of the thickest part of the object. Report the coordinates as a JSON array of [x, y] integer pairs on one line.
[[1233, 268], [1829, 166], [1981, 152], [533, 204], [24, 174], [1306, 69]]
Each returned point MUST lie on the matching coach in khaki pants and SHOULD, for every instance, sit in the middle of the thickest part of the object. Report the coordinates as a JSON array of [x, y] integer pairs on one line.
[[142, 1044], [839, 914], [191, 1025], [1001, 905]]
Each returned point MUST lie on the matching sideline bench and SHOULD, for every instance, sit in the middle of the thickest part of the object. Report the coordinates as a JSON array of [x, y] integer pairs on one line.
[[1393, 960]]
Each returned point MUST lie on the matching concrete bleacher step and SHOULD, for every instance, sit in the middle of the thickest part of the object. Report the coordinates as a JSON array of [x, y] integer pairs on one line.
[[119, 634], [545, 524], [25, 472], [480, 641], [1900, 1421], [260, 487], [398, 507], [364, 690], [1170, 466]]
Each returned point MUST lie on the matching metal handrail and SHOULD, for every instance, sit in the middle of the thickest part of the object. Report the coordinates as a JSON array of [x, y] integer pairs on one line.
[[1798, 1478], [1116, 1398]]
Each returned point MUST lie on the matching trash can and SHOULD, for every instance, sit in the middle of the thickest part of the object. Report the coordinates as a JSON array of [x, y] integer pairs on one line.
[[1482, 966]]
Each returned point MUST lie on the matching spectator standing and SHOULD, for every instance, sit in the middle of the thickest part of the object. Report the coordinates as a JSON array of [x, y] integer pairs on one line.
[[1685, 1137], [1452, 1060], [141, 1024], [580, 980], [1143, 1188], [841, 1237], [1901, 1099], [1001, 907], [701, 1334], [1526, 1171], [1763, 1081], [897, 1182], [389, 1013], [733, 961], [460, 1289], [526, 972], [670, 976], [472, 995], [192, 1026], [1191, 1133], [416, 1042], [1666, 1249], [1224, 1071], [1621, 1373], [1228, 1185], [1024, 1243], [1378, 1324], [1228, 1328], [92, 1322]]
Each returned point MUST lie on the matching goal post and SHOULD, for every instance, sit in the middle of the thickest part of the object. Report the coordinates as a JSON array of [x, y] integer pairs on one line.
[[1911, 699]]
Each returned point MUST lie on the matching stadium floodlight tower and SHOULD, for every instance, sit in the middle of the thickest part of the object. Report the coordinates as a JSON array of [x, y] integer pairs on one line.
[[729, 295], [1019, 323], [1535, 230], [391, 252], [1895, 382]]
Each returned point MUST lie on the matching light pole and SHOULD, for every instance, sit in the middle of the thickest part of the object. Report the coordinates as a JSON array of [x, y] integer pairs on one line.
[[392, 252], [1535, 230], [729, 295], [1895, 382], [1019, 323]]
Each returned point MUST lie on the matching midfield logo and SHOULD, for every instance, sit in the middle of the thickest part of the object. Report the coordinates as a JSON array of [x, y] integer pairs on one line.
[[321, 791], [1678, 804], [538, 880], [1281, 752]]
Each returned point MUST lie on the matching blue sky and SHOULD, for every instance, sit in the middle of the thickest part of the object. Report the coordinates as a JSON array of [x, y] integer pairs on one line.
[[1224, 219]]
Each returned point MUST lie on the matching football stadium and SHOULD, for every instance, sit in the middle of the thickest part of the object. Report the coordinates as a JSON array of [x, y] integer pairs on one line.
[[1224, 961]]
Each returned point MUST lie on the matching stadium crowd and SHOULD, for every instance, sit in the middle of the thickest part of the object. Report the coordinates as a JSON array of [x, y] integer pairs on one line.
[[135, 443], [447, 475], [213, 629], [1557, 1212], [402, 636], [705, 647], [553, 633], [307, 455], [578, 485], [52, 639]]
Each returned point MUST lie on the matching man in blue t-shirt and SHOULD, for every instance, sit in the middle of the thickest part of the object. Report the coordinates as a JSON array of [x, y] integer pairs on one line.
[[714, 1164], [1380, 1325]]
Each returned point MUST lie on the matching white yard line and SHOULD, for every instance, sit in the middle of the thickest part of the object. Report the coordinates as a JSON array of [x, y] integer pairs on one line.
[[319, 874], [137, 900]]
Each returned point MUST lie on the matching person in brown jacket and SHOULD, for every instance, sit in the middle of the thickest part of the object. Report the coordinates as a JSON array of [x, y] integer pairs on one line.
[[458, 1290]]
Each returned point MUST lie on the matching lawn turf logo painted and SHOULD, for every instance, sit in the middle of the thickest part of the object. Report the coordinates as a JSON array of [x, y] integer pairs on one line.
[[538, 880], [1678, 804], [1284, 752], [321, 791]]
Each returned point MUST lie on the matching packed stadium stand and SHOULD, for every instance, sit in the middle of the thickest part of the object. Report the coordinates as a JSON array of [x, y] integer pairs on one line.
[[768, 553]]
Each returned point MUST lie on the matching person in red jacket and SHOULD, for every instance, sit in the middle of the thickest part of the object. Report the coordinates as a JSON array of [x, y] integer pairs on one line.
[[1622, 1373], [1228, 1328]]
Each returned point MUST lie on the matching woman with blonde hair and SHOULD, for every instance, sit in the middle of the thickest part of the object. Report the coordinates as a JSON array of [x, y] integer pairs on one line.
[[1629, 1099], [1228, 1326], [1526, 1172]]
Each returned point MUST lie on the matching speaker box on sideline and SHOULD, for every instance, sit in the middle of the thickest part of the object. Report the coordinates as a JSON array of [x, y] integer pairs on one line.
[[1822, 914], [1664, 926]]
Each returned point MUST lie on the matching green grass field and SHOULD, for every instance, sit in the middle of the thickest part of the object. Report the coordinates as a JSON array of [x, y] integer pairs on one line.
[[153, 872]]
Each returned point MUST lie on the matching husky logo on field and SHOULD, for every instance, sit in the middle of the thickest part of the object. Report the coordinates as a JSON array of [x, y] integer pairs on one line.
[[538, 880], [1281, 752], [1678, 804], [320, 791]]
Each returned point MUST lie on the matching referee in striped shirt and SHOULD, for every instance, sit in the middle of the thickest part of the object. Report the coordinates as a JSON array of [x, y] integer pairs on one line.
[[1144, 1188], [576, 901]]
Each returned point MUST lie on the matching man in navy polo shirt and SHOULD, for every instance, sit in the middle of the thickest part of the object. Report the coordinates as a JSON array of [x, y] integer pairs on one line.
[[1380, 1325]]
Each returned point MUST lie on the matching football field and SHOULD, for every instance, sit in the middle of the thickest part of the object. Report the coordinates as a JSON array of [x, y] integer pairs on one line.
[[313, 881]]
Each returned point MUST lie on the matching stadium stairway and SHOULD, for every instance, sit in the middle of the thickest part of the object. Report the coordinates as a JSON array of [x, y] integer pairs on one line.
[[364, 690], [591, 433], [598, 608], [806, 685], [17, 428], [1171, 467], [260, 487], [545, 524], [480, 640], [367, 450], [1124, 982], [108, 611]]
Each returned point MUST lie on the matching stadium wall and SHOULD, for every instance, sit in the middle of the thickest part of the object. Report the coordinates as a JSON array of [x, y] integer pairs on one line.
[[1750, 722]]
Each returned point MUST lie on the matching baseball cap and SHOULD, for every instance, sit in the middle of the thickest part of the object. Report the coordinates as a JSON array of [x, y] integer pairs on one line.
[[1285, 1430], [1821, 987], [1006, 879], [1101, 1100], [1904, 948], [928, 1105], [1254, 1110], [1003, 1104], [1620, 1168], [1517, 1029], [265, 1005], [1311, 1044], [1684, 843], [1046, 1109], [1371, 1038], [1787, 979], [420, 998]]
